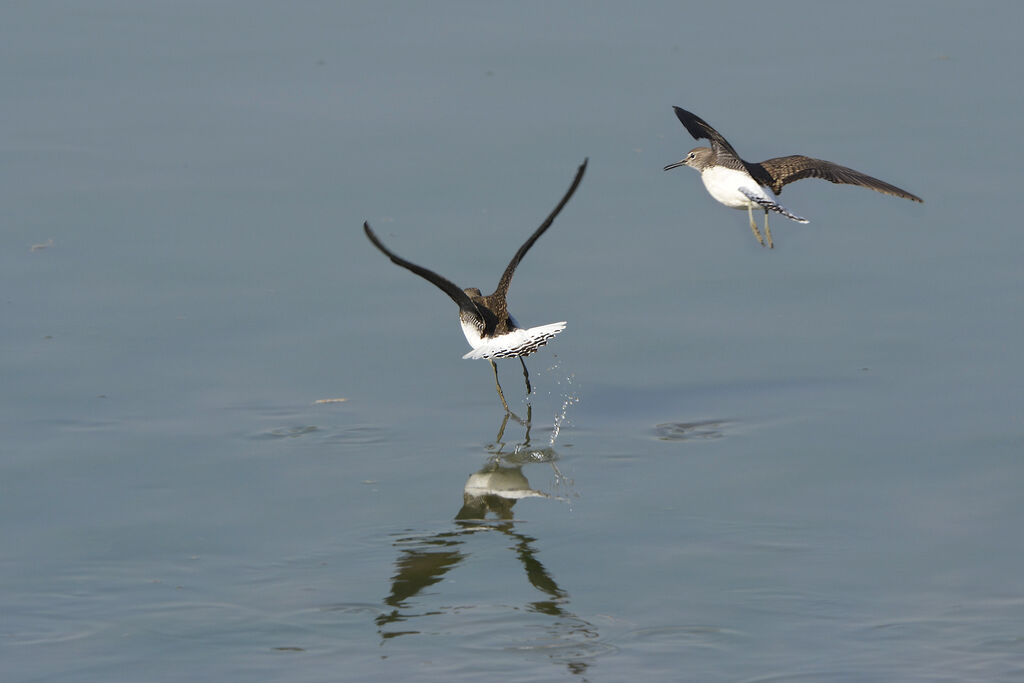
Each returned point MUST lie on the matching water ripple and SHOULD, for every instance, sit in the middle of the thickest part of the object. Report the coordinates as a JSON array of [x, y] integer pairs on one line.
[[690, 431]]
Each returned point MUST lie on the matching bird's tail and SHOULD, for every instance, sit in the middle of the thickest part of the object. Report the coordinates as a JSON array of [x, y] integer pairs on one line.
[[769, 205], [519, 342]]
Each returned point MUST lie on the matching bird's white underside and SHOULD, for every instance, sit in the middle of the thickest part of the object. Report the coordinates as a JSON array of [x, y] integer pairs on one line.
[[519, 342], [738, 190], [723, 184]]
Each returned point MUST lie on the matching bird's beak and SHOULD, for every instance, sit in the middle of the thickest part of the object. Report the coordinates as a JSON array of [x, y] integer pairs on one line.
[[679, 163]]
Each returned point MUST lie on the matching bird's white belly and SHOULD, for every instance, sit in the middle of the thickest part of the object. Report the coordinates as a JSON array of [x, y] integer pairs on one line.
[[472, 333], [723, 184]]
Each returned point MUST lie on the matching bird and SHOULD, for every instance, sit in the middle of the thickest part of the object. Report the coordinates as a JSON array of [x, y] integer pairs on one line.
[[738, 184], [489, 328]]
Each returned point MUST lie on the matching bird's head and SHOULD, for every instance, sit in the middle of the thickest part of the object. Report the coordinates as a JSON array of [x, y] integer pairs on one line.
[[698, 158]]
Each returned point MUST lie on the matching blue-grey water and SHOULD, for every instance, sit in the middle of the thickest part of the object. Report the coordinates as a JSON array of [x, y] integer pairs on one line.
[[742, 464]]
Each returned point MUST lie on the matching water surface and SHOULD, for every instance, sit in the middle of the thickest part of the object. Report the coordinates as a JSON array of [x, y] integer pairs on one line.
[[741, 464]]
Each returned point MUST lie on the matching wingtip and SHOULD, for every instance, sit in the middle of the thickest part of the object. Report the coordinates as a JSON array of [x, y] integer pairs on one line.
[[582, 168], [580, 171], [694, 125], [372, 236], [903, 194]]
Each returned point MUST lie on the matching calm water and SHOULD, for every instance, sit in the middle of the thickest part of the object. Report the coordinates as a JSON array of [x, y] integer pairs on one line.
[[741, 464]]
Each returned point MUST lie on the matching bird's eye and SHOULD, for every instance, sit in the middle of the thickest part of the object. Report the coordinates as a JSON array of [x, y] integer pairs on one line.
[[691, 155]]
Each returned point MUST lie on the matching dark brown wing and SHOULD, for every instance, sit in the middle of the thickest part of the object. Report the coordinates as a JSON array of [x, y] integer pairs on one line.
[[445, 285], [506, 277], [702, 130], [785, 170]]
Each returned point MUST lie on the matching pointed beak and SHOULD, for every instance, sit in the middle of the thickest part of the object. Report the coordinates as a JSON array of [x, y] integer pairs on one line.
[[682, 162]]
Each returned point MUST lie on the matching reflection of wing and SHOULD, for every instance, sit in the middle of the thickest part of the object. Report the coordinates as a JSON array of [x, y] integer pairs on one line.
[[517, 343], [418, 569], [447, 286], [506, 277], [785, 170]]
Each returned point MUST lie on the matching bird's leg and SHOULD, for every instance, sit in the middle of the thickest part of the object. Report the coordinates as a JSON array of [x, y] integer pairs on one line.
[[767, 230], [525, 423], [753, 224], [498, 385], [526, 374], [501, 431]]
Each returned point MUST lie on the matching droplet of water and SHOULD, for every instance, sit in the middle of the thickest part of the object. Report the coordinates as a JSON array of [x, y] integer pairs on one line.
[[569, 398]]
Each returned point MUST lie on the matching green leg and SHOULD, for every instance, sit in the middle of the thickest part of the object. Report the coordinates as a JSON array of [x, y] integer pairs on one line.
[[501, 430], [753, 224], [767, 230], [500, 394], [529, 389]]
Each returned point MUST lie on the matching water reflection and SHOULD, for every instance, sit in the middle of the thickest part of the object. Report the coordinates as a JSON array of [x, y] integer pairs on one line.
[[489, 496], [500, 484]]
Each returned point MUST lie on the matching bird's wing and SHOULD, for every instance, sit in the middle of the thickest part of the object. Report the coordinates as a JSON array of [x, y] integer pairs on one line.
[[785, 170], [447, 286], [506, 277], [702, 130]]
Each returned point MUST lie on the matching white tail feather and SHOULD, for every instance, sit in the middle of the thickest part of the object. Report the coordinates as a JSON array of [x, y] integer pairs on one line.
[[520, 342], [769, 205]]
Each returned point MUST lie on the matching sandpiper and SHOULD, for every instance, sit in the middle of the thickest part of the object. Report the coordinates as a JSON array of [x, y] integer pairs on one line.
[[737, 183], [489, 328]]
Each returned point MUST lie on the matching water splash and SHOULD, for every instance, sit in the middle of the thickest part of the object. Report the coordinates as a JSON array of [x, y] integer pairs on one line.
[[562, 417], [569, 398]]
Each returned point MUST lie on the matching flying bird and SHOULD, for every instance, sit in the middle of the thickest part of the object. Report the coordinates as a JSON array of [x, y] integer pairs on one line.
[[489, 328], [738, 184]]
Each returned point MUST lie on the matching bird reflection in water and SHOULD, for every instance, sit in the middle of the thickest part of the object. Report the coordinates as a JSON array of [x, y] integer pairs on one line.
[[500, 484], [489, 496]]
